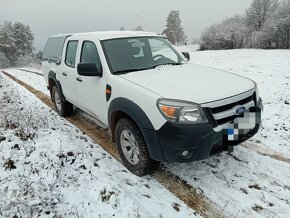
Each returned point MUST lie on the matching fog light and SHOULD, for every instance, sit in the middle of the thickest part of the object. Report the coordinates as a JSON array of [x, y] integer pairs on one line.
[[185, 153]]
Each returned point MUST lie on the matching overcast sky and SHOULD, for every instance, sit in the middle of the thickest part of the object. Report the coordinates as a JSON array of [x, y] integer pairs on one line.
[[49, 17]]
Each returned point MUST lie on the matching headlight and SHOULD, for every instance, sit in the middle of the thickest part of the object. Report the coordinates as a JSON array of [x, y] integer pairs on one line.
[[181, 112]]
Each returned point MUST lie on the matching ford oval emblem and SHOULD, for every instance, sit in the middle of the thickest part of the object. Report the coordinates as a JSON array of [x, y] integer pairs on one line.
[[238, 110]]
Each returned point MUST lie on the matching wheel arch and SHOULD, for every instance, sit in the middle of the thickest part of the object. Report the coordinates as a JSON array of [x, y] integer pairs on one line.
[[52, 81], [125, 108]]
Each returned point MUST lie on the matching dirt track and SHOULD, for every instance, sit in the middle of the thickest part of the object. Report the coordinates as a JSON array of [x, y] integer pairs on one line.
[[180, 188]]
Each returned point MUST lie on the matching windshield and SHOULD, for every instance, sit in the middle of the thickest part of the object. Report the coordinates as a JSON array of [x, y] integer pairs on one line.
[[140, 53]]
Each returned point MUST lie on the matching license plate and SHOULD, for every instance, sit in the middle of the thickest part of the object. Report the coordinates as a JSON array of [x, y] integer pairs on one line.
[[241, 125]]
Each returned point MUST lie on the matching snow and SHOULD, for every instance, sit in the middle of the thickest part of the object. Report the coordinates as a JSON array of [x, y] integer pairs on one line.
[[242, 184], [188, 48], [60, 171], [36, 81], [240, 181], [246, 181], [271, 70]]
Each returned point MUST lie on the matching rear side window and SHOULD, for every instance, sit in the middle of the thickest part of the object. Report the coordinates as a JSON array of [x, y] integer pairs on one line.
[[53, 49], [90, 54], [71, 50]]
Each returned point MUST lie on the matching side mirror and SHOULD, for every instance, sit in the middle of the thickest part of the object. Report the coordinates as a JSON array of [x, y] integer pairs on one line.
[[89, 69], [186, 54]]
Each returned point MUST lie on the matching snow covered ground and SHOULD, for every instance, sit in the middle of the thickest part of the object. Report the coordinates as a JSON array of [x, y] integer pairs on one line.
[[48, 168], [245, 181], [271, 70], [243, 184]]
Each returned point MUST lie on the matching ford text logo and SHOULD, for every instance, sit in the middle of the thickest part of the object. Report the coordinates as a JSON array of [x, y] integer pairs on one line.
[[238, 110]]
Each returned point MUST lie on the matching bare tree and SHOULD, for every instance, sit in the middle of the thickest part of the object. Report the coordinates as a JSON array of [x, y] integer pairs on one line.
[[265, 25], [277, 28], [259, 12]]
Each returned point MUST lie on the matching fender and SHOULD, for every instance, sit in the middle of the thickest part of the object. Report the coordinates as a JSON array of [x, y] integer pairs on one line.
[[142, 121], [52, 75]]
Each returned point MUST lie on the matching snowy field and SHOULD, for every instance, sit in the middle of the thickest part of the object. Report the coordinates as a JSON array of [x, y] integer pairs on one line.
[[271, 70], [242, 184]]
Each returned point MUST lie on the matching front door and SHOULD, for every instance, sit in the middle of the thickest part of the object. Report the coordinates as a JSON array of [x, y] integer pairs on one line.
[[91, 89]]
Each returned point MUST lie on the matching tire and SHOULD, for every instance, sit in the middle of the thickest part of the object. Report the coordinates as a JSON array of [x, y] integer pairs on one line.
[[125, 129], [63, 108]]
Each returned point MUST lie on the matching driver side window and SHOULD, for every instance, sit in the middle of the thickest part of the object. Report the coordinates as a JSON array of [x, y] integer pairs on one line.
[[159, 48], [90, 54]]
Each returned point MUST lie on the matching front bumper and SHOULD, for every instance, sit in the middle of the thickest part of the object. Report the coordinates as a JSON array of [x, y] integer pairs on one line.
[[197, 140], [185, 143]]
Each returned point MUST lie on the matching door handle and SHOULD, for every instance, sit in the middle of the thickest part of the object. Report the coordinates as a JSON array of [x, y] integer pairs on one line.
[[79, 79], [64, 74]]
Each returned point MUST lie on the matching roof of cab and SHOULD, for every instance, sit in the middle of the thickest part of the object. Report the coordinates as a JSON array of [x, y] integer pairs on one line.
[[104, 35]]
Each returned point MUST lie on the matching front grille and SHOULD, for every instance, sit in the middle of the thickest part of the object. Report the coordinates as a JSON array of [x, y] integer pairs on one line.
[[230, 106], [226, 120], [224, 114]]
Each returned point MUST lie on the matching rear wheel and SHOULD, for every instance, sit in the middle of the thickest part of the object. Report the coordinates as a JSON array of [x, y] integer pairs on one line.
[[132, 148], [63, 108]]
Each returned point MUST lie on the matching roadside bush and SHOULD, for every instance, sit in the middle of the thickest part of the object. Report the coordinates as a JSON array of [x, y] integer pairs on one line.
[[230, 34], [12, 114], [24, 61]]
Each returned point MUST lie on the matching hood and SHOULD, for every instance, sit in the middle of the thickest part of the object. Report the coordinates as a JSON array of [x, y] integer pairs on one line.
[[190, 82]]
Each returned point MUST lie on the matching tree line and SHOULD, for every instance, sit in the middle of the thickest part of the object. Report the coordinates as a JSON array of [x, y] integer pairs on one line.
[[266, 24]]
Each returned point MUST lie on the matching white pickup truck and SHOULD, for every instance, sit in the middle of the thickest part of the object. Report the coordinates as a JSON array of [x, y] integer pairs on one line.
[[158, 105]]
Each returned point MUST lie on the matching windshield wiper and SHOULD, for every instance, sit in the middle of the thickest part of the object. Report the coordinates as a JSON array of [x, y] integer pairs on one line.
[[129, 70], [166, 64], [140, 69]]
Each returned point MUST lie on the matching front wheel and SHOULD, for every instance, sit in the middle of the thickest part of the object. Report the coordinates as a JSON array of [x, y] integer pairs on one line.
[[132, 148], [63, 108]]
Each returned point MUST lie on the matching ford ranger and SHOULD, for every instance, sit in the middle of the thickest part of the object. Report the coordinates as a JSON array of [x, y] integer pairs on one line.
[[157, 104]]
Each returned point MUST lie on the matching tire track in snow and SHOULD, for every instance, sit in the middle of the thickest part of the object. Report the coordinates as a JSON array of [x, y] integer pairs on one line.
[[30, 71], [177, 186], [266, 152]]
